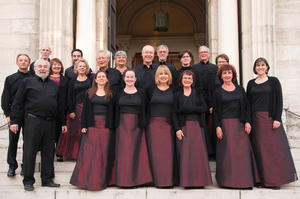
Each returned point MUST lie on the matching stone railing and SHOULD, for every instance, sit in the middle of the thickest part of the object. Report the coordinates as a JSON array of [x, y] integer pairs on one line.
[[292, 125]]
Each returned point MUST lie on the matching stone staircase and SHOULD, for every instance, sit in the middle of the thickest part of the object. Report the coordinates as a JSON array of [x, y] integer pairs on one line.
[[12, 188]]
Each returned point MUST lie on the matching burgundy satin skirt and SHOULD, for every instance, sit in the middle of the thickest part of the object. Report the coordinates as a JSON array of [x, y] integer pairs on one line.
[[192, 154], [236, 166], [75, 134], [272, 151], [160, 139], [63, 143], [93, 169], [132, 161]]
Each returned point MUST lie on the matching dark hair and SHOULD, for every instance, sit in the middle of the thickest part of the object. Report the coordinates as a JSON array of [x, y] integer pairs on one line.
[[92, 91], [23, 54], [181, 53], [189, 73], [225, 67], [57, 61], [224, 56], [128, 70], [260, 59], [78, 50]]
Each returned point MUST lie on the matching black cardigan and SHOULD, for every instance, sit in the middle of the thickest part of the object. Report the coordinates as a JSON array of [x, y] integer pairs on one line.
[[244, 106], [180, 114], [87, 115], [142, 109], [276, 102]]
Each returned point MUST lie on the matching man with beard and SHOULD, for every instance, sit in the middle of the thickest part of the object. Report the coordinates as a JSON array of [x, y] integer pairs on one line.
[[37, 101], [145, 72], [11, 85]]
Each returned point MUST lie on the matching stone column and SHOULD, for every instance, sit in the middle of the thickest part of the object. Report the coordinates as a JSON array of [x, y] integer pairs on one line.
[[56, 28], [102, 28], [228, 31], [86, 30]]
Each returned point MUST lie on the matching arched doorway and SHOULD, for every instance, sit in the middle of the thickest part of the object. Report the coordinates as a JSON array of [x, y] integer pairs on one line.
[[187, 27]]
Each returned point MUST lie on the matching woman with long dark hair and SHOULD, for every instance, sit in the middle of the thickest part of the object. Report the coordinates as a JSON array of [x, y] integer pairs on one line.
[[234, 158], [160, 134], [56, 75], [191, 146], [93, 169], [132, 161], [270, 144]]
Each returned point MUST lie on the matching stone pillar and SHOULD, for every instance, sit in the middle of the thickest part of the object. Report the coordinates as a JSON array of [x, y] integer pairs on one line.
[[86, 30], [228, 31], [56, 28], [213, 28], [102, 28]]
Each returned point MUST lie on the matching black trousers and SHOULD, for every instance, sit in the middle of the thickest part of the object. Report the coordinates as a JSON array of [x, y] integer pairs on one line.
[[39, 134], [12, 149]]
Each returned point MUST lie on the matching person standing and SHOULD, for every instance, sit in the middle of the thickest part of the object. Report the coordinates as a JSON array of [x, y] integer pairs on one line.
[[37, 101], [121, 61], [11, 85], [45, 51], [235, 162], [270, 144], [93, 168], [189, 106], [132, 161]]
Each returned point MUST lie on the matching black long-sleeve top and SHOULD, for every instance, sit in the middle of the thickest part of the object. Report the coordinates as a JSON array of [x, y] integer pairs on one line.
[[275, 105], [11, 85], [161, 102], [70, 74], [188, 108], [220, 101], [145, 76], [205, 78], [138, 104], [151, 92], [173, 72], [88, 112], [76, 93], [38, 97]]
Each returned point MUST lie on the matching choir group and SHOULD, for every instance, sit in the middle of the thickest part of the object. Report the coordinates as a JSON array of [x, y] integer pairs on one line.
[[153, 125]]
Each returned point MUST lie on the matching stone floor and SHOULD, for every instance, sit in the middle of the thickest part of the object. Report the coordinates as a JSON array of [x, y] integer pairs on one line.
[[12, 188]]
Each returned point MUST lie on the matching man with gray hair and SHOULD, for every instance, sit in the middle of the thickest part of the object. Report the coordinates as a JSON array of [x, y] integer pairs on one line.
[[114, 76], [37, 102], [162, 53], [145, 72]]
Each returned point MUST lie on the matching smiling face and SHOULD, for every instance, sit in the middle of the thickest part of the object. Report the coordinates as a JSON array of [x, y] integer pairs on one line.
[[227, 76], [261, 68], [102, 60], [101, 79], [163, 77], [204, 54], [187, 80], [220, 61], [162, 54], [56, 68], [76, 55], [121, 60], [81, 68], [129, 78], [148, 54], [41, 69], [186, 60]]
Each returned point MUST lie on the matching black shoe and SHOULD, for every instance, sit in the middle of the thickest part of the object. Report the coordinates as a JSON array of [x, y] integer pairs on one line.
[[59, 159], [272, 187], [28, 187], [22, 172], [11, 172], [50, 184]]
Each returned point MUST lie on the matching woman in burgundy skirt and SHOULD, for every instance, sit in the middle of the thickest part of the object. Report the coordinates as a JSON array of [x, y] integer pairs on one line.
[[191, 146], [160, 134], [76, 92], [93, 169], [270, 144], [234, 159], [132, 161]]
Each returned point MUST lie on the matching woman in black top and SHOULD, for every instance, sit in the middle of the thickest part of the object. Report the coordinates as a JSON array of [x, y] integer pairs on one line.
[[93, 169], [188, 124], [270, 144], [56, 75], [234, 160], [132, 161], [76, 94], [186, 58], [160, 136]]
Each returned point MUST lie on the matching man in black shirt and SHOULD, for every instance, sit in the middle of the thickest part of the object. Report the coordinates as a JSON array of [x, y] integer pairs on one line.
[[37, 101], [162, 53], [76, 55], [11, 85], [114, 75], [145, 72], [45, 54]]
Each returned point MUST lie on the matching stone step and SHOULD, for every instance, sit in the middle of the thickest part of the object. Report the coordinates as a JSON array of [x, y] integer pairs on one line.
[[69, 192]]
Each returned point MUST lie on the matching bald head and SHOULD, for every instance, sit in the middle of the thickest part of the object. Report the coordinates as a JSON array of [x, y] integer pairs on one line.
[[45, 51]]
